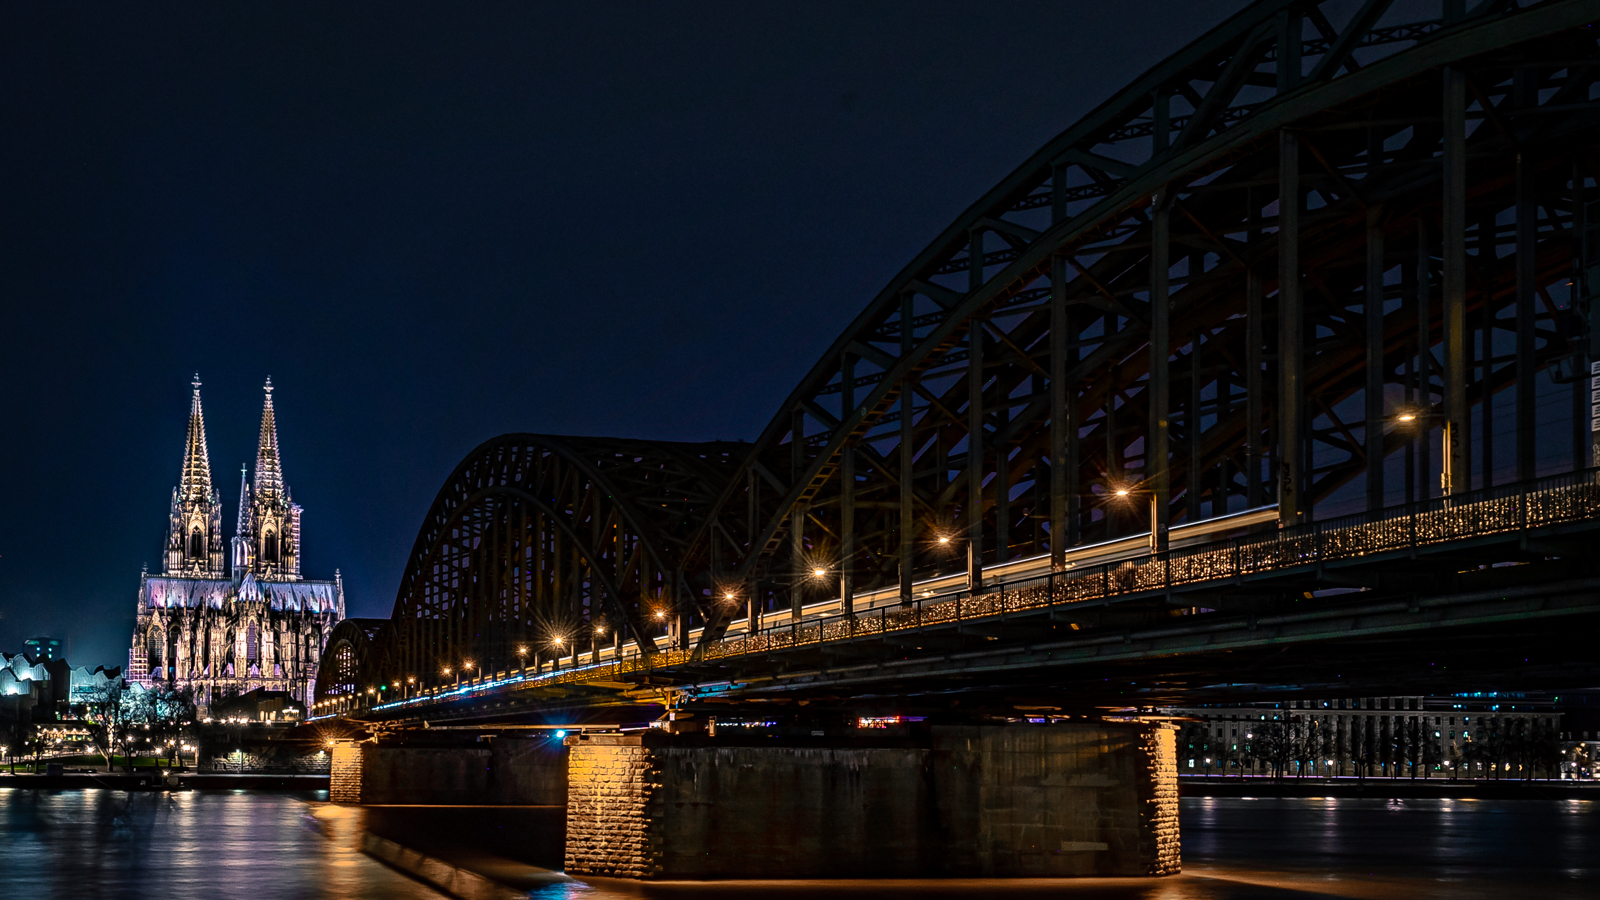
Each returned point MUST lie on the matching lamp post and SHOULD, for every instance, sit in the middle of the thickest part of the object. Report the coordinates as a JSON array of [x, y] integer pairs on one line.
[[522, 659], [468, 666], [448, 671], [1424, 417], [1157, 539], [974, 576]]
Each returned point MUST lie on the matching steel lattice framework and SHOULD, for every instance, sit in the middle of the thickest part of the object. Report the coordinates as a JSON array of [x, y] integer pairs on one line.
[[536, 540], [1322, 257]]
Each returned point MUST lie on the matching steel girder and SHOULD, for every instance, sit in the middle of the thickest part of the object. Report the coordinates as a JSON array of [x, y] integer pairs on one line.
[[1154, 222], [539, 544]]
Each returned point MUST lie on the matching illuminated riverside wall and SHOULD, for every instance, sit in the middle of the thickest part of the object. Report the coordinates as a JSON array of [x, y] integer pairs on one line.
[[976, 801]]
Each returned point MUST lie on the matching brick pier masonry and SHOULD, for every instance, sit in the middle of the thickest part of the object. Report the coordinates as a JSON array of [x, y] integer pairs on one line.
[[1069, 799]]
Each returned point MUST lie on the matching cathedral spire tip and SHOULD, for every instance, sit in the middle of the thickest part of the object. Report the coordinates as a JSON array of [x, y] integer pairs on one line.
[[269, 467], [196, 479]]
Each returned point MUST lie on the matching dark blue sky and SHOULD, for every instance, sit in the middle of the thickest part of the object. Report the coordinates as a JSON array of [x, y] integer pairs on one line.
[[435, 223]]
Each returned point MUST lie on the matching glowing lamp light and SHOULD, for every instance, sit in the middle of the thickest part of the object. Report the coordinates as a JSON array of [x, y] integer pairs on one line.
[[944, 539], [661, 614], [1408, 417], [557, 641], [1122, 492], [728, 596], [561, 733]]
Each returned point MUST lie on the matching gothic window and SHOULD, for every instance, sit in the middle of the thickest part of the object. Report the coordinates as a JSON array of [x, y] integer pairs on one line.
[[252, 642], [197, 543], [156, 649], [269, 547]]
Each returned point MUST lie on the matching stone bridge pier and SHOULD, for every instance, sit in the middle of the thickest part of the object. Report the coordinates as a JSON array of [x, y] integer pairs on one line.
[[1067, 799]]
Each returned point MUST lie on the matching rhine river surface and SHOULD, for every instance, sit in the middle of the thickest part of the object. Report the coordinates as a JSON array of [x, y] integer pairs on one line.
[[261, 846]]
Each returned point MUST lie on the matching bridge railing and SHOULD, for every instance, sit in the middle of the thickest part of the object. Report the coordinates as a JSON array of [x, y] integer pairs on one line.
[[1503, 509], [1499, 510]]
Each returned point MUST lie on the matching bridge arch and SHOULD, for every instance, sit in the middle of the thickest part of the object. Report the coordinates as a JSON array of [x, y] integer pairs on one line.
[[348, 661], [1135, 307], [544, 545], [1142, 315]]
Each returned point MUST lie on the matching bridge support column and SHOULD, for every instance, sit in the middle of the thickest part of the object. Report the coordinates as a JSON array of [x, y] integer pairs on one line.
[[504, 770], [967, 801]]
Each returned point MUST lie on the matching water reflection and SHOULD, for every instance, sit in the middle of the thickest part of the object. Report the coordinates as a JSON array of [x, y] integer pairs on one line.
[[112, 844], [266, 846]]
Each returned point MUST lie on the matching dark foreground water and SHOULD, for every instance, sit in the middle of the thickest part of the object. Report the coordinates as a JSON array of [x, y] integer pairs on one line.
[[106, 844]]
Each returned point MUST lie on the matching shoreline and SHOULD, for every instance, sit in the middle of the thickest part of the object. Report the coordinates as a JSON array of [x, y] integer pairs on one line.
[[1386, 788], [152, 781]]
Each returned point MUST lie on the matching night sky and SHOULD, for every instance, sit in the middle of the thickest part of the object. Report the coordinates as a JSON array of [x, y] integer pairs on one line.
[[434, 223]]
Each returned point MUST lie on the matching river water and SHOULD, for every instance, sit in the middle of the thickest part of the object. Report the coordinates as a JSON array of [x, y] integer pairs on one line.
[[261, 846]]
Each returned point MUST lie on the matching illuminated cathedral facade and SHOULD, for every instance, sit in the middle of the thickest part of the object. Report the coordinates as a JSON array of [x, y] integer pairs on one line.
[[225, 617]]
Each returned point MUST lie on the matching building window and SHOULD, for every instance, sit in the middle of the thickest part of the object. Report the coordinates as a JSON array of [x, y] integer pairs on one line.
[[269, 547], [197, 543]]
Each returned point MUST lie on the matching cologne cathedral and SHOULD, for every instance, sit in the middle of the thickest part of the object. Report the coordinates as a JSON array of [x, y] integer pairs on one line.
[[225, 621]]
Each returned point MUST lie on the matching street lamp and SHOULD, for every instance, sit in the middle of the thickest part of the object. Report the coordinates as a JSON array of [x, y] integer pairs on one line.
[[1157, 537], [974, 572], [1425, 416], [448, 670]]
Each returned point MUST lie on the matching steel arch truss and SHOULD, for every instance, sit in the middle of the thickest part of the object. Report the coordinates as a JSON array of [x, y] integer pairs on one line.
[[1141, 308], [1227, 286], [349, 658], [537, 545]]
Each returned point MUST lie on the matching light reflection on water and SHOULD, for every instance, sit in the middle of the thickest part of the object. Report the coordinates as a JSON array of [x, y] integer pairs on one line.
[[265, 846], [212, 845]]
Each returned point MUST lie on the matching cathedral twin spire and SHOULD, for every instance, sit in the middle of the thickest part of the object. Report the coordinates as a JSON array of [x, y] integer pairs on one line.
[[269, 474], [196, 481], [266, 538]]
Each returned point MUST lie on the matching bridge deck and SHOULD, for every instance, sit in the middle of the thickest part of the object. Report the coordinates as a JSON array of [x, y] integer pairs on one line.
[[1473, 559]]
